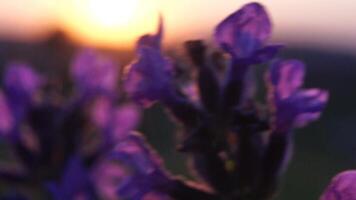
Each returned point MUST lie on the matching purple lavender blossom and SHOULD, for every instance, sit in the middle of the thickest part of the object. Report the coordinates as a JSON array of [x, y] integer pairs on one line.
[[21, 82], [146, 173], [107, 176], [21, 86], [51, 140], [7, 120], [94, 73], [224, 130], [85, 148], [148, 78], [245, 32], [74, 183], [341, 187], [152, 40], [294, 106]]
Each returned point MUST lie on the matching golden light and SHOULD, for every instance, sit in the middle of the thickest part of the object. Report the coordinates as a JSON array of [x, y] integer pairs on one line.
[[111, 12], [108, 23]]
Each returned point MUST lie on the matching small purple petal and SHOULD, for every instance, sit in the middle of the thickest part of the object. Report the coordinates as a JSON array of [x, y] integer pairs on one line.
[[74, 183], [107, 175], [94, 73], [156, 196], [21, 82], [153, 41], [342, 187], [245, 31], [6, 118], [266, 53], [126, 118], [145, 165], [294, 107], [287, 77], [101, 112], [149, 78], [140, 156]]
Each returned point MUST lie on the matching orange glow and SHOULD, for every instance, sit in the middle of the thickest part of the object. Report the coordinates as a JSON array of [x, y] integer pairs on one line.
[[108, 23]]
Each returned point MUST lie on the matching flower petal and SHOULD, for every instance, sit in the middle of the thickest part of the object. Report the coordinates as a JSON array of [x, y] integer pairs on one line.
[[153, 41], [294, 107], [94, 73], [342, 187], [6, 118], [149, 78], [245, 31], [286, 76], [126, 118], [146, 173], [108, 175], [21, 82], [74, 183]]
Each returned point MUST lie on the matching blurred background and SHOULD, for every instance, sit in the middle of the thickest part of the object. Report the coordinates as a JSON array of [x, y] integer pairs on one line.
[[322, 33]]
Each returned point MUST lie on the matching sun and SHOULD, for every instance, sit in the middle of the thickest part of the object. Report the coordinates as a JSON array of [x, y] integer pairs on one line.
[[108, 23], [111, 12]]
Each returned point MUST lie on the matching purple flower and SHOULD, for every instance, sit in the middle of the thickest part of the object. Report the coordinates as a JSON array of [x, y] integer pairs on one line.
[[21, 82], [94, 73], [153, 41], [149, 77], [116, 122], [342, 187], [145, 172], [107, 176], [126, 118], [245, 31], [74, 183], [6, 118], [294, 107]]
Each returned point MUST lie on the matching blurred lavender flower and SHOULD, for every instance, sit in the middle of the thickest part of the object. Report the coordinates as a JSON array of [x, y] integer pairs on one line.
[[342, 187], [60, 145], [145, 166], [94, 73], [7, 120], [74, 183], [21, 82]]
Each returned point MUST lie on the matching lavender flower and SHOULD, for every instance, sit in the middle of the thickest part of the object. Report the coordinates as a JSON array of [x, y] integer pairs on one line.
[[146, 173], [68, 142], [94, 73], [74, 183], [342, 187], [7, 120], [294, 107], [224, 131], [21, 82], [21, 85], [148, 78], [245, 32], [84, 148]]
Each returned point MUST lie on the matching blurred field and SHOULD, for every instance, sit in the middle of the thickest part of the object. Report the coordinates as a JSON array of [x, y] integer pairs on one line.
[[321, 150]]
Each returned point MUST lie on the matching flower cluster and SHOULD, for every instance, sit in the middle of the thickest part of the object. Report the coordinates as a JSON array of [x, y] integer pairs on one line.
[[59, 146], [225, 131], [85, 147]]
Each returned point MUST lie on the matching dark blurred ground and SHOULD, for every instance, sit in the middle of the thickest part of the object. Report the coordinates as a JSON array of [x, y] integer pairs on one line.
[[321, 150]]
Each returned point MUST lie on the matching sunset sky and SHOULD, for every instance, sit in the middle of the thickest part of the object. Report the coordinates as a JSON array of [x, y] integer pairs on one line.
[[116, 23]]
